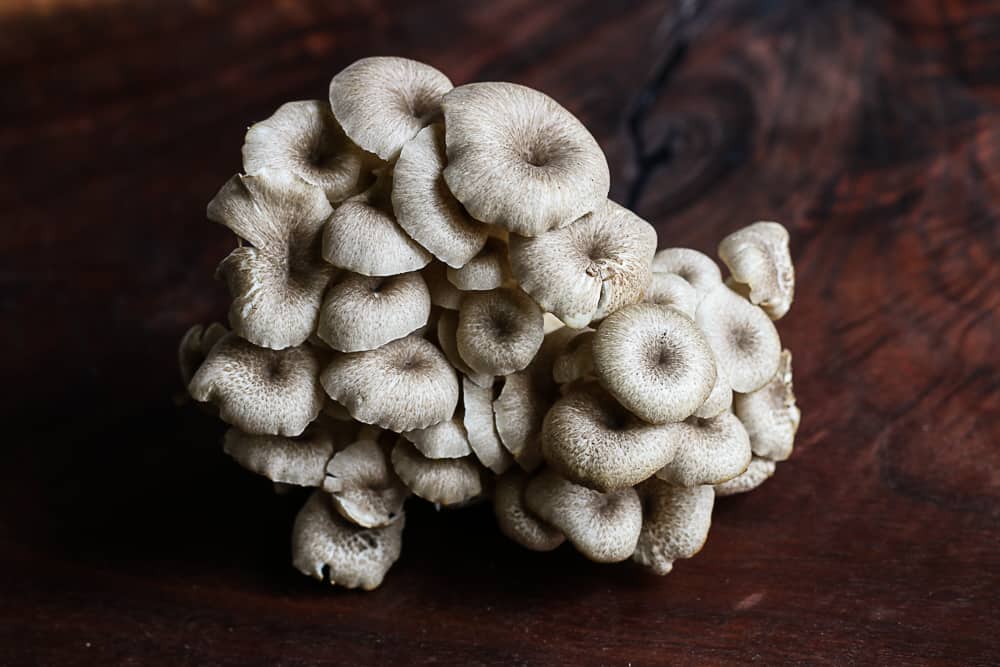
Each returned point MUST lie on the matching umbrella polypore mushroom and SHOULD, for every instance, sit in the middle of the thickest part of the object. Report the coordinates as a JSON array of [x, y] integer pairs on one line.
[[675, 524]]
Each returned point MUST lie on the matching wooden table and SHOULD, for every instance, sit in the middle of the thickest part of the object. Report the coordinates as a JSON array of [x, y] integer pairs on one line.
[[871, 131]]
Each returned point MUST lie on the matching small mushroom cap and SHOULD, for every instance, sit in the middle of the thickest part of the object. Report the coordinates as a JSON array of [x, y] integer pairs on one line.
[[195, 346], [770, 415], [756, 474], [488, 270], [442, 481], [424, 206], [591, 439], [300, 461], [304, 139], [443, 293], [518, 159], [499, 331], [758, 256], [401, 386], [362, 235], [604, 527], [481, 427], [514, 518], [742, 337], [675, 524], [444, 440], [276, 282], [654, 361], [519, 412], [577, 361], [261, 391], [589, 269], [447, 336], [325, 545], [551, 322], [697, 268], [721, 397], [383, 102], [363, 313], [709, 451], [669, 289], [364, 486]]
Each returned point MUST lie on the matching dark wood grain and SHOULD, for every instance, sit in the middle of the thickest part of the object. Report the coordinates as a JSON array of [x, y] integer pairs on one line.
[[870, 130]]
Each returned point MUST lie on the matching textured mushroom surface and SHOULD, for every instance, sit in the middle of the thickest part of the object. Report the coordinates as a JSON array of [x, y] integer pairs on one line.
[[516, 521], [488, 270], [770, 415], [669, 289], [480, 424], [364, 486], [709, 451], [675, 523], [195, 345], [758, 472], [444, 440], [758, 257], [697, 268], [499, 332], [300, 461], [443, 481]]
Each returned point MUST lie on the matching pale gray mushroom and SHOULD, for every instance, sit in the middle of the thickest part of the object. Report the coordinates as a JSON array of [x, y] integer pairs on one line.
[[720, 398], [442, 481], [443, 293], [518, 159], [424, 206], [447, 337], [298, 461], [758, 257], [401, 386], [756, 474], [195, 345], [519, 412], [304, 139], [277, 281], [364, 487], [576, 362], [675, 524], [587, 270], [770, 415], [444, 440], [669, 289], [514, 518], [481, 427], [488, 270], [604, 527], [258, 390], [383, 102], [326, 546], [499, 331], [362, 313], [695, 267], [709, 451]]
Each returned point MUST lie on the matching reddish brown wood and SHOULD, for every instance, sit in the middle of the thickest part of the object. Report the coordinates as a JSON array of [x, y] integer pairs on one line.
[[870, 130]]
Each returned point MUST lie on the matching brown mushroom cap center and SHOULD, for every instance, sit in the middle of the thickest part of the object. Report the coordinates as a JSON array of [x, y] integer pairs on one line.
[[664, 357], [743, 337]]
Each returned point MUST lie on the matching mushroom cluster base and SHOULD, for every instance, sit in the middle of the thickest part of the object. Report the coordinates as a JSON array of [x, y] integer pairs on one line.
[[433, 299]]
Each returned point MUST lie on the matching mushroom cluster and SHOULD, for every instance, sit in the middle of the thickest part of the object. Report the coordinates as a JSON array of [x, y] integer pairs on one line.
[[433, 297]]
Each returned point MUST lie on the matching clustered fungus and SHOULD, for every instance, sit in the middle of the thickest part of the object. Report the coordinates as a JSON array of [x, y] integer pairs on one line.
[[434, 299]]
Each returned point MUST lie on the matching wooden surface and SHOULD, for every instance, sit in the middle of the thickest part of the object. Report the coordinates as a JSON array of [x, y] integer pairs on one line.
[[870, 130]]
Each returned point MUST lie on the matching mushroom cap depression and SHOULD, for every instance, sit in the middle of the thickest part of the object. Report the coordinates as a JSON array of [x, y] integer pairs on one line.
[[518, 159], [442, 481], [709, 451], [675, 524], [697, 268], [383, 102], [758, 256], [364, 486], [499, 331], [514, 518], [401, 386], [770, 415], [589, 269], [300, 461]]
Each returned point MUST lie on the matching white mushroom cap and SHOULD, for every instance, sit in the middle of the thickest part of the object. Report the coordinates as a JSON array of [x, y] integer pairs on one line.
[[481, 427], [709, 451], [300, 461], [742, 337], [654, 361], [519, 412], [443, 293], [499, 331], [442, 481], [770, 415], [721, 397], [514, 518], [697, 268], [304, 139], [576, 362], [364, 486], [424, 206], [758, 257], [258, 390], [488, 270], [589, 269], [195, 345], [362, 235], [383, 102], [401, 386], [592, 440], [518, 159], [756, 474], [447, 337], [277, 281], [363, 313], [444, 440], [604, 527], [669, 289], [324, 545], [675, 524]]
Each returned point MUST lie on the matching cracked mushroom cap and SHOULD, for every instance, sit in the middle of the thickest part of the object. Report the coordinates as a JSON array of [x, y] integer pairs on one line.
[[756, 474], [442, 481], [669, 289], [576, 362], [518, 159], [742, 337], [424, 206], [514, 518], [277, 281], [604, 527], [443, 293], [362, 235], [709, 451], [363, 485], [770, 415], [591, 439], [304, 139], [401, 386], [481, 427], [587, 270], [326, 546], [488, 270], [447, 337], [695, 267], [675, 524], [444, 440], [499, 331], [654, 361], [383, 102], [363, 313], [195, 346], [271, 392], [758, 257], [300, 461]]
